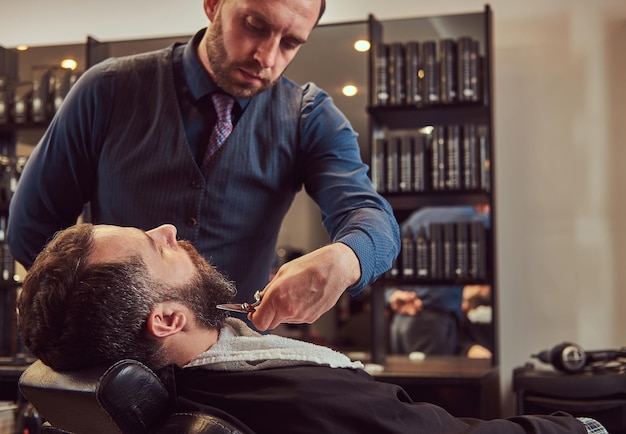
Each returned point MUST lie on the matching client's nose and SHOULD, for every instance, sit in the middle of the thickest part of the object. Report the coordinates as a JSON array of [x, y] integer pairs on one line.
[[164, 234]]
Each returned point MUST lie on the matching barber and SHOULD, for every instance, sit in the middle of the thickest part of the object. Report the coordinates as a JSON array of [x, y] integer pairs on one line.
[[135, 140]]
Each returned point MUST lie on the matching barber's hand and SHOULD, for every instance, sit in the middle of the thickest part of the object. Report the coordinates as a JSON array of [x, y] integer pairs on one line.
[[405, 302], [307, 287]]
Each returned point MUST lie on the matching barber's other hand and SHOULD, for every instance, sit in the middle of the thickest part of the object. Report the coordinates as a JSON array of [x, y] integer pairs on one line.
[[307, 287]]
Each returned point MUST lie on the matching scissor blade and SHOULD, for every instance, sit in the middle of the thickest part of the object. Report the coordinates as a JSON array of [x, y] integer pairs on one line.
[[233, 307]]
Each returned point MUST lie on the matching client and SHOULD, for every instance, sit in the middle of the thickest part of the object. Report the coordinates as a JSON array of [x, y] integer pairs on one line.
[[98, 294]]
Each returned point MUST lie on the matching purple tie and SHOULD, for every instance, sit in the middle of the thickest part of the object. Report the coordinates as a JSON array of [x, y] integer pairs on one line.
[[223, 127]]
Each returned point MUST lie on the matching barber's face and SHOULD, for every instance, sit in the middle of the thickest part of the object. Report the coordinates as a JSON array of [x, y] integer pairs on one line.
[[251, 42]]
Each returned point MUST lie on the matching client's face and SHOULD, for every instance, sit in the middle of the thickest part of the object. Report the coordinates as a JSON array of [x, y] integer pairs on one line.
[[174, 265], [168, 260]]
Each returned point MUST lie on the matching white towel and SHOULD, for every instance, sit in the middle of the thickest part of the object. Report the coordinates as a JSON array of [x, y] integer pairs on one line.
[[239, 348]]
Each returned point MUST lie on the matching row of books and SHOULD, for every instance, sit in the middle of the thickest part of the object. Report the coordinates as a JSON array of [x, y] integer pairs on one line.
[[441, 158], [36, 100], [448, 251], [429, 72]]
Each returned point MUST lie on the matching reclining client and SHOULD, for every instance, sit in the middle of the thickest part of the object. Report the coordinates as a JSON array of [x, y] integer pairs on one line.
[[99, 294]]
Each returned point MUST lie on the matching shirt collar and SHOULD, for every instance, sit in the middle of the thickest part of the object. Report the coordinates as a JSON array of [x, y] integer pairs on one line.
[[199, 82]]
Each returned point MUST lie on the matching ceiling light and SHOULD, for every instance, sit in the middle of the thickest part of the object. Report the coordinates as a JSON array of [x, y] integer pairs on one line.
[[21, 47], [362, 45], [349, 90], [69, 64]]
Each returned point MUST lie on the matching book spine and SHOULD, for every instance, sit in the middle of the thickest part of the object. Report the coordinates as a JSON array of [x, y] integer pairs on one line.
[[461, 250], [406, 163], [408, 257], [485, 160], [449, 70], [381, 78], [420, 162], [471, 158], [422, 255], [396, 73], [448, 254], [477, 255], [438, 158], [414, 74], [468, 66], [378, 164], [436, 250], [432, 76], [453, 157], [392, 158]]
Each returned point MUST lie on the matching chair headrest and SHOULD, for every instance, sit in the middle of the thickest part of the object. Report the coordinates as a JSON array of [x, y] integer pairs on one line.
[[126, 397]]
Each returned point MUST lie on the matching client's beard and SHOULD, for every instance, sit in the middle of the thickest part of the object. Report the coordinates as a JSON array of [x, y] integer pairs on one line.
[[205, 290]]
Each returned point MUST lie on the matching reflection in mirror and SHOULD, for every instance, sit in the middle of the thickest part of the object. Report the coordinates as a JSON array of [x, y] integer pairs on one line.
[[330, 60], [444, 319]]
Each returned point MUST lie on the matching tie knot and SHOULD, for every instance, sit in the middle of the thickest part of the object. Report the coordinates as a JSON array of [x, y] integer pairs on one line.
[[223, 105]]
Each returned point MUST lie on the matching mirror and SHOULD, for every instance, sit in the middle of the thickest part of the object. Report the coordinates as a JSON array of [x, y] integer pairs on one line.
[[328, 59]]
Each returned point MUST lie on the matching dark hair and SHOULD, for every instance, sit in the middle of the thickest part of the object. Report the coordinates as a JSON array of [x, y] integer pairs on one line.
[[73, 315]]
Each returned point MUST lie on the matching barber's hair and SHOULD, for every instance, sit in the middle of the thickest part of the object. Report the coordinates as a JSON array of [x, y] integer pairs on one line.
[[73, 314], [322, 8]]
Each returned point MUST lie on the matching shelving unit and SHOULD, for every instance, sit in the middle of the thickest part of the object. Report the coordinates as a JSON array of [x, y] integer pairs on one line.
[[399, 114]]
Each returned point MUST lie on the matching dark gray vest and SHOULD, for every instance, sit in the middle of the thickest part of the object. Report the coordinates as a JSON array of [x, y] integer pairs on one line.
[[147, 175]]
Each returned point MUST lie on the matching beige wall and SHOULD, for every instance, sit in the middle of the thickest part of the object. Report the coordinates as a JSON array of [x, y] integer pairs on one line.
[[560, 113]]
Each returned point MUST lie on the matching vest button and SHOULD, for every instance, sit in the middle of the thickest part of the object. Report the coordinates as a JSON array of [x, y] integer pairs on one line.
[[197, 184], [191, 222]]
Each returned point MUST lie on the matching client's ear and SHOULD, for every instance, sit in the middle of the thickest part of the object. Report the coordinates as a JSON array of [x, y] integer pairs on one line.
[[166, 319]]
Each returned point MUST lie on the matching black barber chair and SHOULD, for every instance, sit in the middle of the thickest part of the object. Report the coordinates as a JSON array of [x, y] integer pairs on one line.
[[126, 398]]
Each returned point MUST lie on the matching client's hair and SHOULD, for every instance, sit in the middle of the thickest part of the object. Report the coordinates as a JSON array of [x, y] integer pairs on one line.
[[73, 315]]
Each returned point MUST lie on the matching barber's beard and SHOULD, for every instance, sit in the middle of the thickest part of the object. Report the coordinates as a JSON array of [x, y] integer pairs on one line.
[[205, 290], [221, 67]]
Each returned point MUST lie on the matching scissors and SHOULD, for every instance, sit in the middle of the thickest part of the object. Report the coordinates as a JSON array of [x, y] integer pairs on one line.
[[242, 307]]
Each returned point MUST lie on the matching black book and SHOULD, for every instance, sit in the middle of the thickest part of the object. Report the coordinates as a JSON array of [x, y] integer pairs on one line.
[[469, 69], [421, 162], [378, 164], [414, 74], [462, 250], [422, 255], [470, 157], [396, 73], [449, 70], [392, 166], [432, 76], [448, 251], [485, 159], [394, 271], [453, 157], [381, 77], [438, 157], [408, 257], [436, 250], [406, 163], [477, 250]]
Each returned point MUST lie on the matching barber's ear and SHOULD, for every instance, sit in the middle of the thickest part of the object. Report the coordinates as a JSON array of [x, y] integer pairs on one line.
[[166, 319], [210, 8]]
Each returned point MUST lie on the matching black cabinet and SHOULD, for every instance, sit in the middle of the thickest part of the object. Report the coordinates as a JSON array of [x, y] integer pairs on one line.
[[597, 394], [431, 138]]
